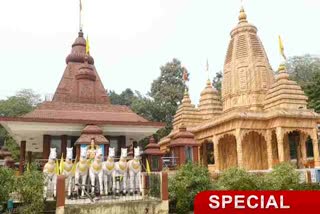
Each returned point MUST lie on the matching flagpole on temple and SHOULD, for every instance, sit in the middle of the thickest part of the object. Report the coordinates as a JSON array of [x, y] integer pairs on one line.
[[80, 15], [207, 69]]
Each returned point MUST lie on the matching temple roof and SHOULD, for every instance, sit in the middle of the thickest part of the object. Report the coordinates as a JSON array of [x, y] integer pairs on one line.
[[186, 114], [285, 93], [92, 132], [210, 103], [80, 96], [85, 112], [247, 72], [80, 82]]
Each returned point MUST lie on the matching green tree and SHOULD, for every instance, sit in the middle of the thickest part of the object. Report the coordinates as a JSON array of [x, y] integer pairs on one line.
[[24, 101], [167, 92], [127, 97], [217, 81], [161, 102], [305, 70], [189, 180]]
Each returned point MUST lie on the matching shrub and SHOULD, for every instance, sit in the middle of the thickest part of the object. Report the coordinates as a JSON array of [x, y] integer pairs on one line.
[[30, 189], [237, 179], [283, 177], [7, 183], [186, 184]]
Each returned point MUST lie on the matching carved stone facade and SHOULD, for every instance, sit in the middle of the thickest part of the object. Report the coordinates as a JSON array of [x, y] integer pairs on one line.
[[264, 119]]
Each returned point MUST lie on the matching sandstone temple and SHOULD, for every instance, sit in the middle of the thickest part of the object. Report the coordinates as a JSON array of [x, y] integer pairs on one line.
[[260, 119]]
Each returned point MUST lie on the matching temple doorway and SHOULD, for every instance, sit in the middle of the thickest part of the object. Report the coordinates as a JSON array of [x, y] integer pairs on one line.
[[207, 153]]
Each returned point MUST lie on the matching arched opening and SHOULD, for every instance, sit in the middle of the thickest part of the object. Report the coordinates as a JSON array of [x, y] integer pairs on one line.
[[254, 150], [227, 147], [207, 153], [297, 148]]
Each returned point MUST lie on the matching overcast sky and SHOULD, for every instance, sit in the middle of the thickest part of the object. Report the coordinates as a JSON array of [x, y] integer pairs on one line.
[[131, 39]]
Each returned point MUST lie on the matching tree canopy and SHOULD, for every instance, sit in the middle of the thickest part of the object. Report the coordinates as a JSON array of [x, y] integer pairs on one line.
[[305, 70], [161, 102], [24, 101]]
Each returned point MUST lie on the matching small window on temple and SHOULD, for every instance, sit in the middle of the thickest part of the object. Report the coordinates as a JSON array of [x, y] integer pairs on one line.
[[188, 153]]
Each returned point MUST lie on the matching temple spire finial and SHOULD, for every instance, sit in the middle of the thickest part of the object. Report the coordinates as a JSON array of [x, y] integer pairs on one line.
[[242, 15]]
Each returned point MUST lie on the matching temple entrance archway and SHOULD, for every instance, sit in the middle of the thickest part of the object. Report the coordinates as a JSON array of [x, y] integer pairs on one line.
[[254, 150], [227, 146]]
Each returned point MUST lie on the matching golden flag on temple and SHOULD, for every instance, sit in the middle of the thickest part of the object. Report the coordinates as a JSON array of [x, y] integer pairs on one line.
[[61, 167], [281, 48], [148, 167], [87, 46]]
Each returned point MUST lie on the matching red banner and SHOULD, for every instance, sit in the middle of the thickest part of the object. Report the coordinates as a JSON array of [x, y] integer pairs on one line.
[[246, 202]]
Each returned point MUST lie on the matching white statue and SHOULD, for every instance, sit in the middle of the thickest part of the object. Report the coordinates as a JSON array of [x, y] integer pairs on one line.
[[82, 169], [49, 171], [67, 170], [96, 170], [134, 168], [108, 169], [120, 173]]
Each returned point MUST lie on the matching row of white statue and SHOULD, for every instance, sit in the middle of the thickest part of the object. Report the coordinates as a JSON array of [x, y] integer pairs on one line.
[[111, 176]]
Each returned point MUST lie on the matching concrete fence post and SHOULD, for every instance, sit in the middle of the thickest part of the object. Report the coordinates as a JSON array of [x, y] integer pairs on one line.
[[60, 194], [164, 186]]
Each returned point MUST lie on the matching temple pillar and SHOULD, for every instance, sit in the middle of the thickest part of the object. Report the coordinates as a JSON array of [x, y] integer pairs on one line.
[[280, 136], [46, 146], [239, 148], [22, 156], [216, 153], [64, 143], [303, 147], [269, 149], [315, 144]]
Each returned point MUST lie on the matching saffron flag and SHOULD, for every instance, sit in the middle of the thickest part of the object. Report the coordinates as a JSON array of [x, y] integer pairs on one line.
[[87, 46], [148, 167], [281, 48], [61, 167]]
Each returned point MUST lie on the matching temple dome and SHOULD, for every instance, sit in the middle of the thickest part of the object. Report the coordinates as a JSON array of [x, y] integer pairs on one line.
[[186, 114], [78, 51], [285, 93], [247, 72], [210, 103]]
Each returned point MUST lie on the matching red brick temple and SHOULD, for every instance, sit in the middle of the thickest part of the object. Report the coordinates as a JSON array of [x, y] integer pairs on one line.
[[80, 101]]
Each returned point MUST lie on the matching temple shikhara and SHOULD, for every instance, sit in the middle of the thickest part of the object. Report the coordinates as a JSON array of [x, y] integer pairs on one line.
[[79, 112], [261, 119]]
